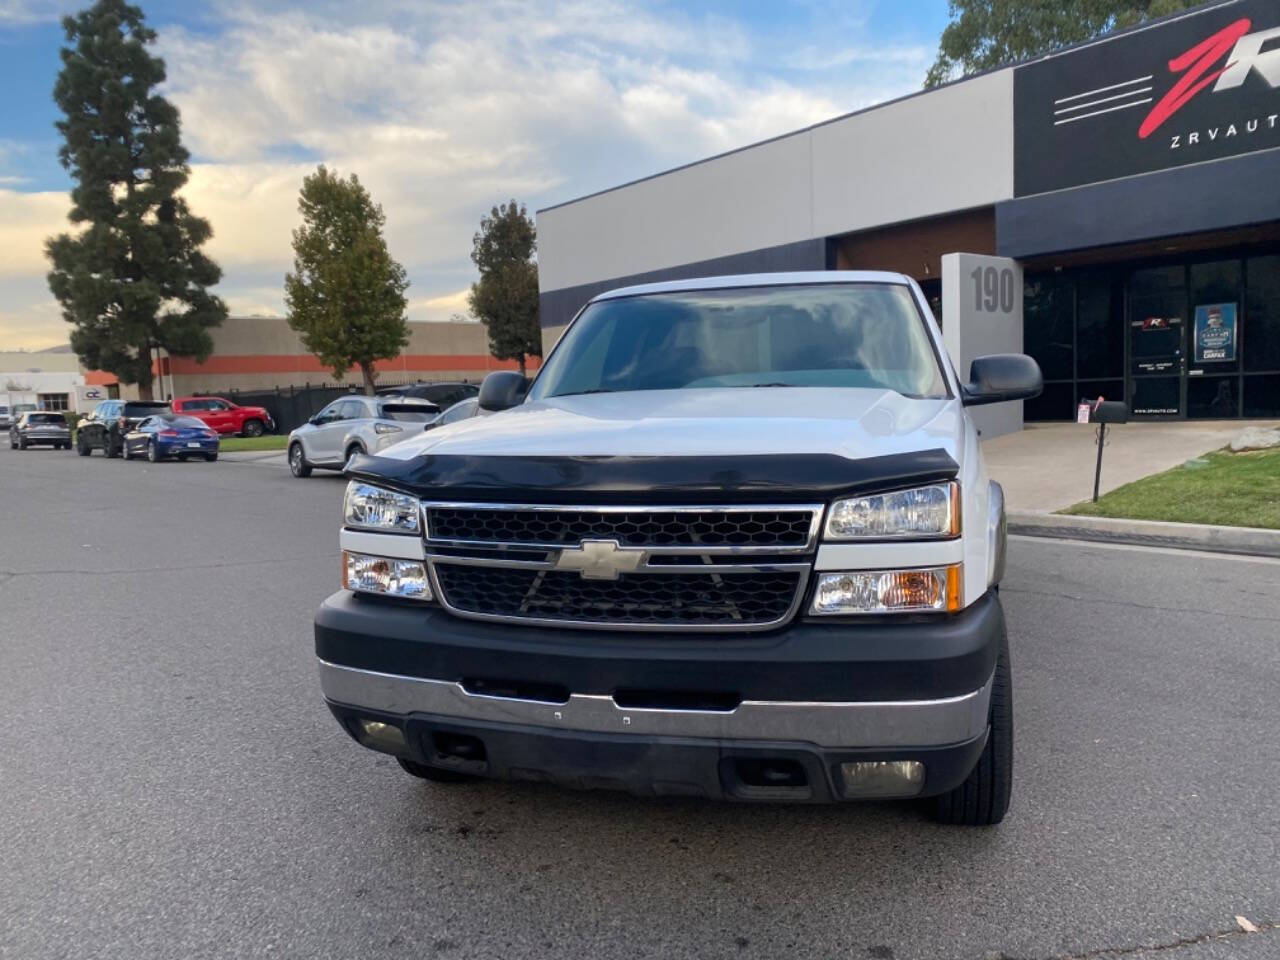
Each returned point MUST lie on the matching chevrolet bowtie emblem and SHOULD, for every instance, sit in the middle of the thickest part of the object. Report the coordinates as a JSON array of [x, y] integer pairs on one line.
[[601, 559]]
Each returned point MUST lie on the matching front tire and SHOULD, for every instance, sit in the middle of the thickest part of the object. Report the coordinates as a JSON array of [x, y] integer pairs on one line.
[[434, 774], [83, 448], [153, 452], [253, 428], [983, 799], [298, 462], [211, 457]]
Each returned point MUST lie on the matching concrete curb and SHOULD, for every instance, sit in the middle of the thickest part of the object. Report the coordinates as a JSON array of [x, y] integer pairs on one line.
[[1252, 541], [253, 456]]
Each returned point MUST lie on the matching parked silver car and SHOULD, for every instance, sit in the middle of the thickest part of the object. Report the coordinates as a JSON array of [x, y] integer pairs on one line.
[[38, 428], [352, 425]]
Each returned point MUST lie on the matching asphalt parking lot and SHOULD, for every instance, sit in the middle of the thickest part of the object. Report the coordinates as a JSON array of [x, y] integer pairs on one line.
[[171, 784]]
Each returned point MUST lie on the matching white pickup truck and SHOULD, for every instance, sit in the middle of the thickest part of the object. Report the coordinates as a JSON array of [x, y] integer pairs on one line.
[[735, 540]]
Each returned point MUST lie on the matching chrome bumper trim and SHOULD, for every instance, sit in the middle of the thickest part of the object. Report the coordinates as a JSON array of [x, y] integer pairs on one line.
[[896, 723]]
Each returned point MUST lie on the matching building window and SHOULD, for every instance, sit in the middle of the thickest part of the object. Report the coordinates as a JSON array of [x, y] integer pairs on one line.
[[52, 401]]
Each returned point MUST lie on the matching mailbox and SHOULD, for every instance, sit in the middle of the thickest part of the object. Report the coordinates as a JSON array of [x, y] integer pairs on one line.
[[1109, 411]]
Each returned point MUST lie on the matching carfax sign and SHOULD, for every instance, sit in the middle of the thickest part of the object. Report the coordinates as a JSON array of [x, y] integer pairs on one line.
[[1215, 333], [1198, 87]]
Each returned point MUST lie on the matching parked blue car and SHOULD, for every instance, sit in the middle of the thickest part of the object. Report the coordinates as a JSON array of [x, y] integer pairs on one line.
[[169, 435]]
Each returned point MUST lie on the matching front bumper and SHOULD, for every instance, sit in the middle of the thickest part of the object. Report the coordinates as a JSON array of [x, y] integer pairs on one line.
[[660, 715]]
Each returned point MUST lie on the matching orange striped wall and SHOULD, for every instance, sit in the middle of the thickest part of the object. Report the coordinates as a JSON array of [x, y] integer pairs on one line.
[[306, 363]]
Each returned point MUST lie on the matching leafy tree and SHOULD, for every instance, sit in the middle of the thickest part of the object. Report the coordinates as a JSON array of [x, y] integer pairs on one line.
[[985, 34], [346, 294], [134, 278], [506, 296]]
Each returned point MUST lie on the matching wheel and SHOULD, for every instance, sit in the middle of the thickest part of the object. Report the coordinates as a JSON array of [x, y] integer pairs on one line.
[[22, 443], [434, 774], [182, 458], [82, 447], [128, 454], [297, 462], [153, 452], [352, 451], [211, 457], [109, 449], [253, 428], [983, 799]]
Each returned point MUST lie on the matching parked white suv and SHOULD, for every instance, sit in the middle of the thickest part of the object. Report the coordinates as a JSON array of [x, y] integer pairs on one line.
[[353, 425], [736, 540]]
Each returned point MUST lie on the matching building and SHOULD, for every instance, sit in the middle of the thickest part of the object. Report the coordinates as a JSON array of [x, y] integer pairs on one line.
[[1136, 179], [261, 353], [52, 376]]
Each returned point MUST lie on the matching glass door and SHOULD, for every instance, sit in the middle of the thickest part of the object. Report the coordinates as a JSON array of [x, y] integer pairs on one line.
[[1157, 314]]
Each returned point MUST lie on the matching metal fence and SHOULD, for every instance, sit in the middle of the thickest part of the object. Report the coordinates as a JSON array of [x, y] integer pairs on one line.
[[292, 406]]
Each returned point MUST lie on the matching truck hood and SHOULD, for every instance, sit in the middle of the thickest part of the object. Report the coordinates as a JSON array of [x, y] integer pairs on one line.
[[716, 422]]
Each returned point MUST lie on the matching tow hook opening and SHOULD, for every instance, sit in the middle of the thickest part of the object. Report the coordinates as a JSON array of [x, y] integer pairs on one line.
[[766, 778], [458, 749]]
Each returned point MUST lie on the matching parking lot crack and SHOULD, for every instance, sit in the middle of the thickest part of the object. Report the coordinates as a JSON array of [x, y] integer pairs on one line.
[[1165, 949]]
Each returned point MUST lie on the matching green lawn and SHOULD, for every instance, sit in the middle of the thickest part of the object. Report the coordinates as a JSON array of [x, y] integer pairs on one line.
[[1234, 490], [239, 444]]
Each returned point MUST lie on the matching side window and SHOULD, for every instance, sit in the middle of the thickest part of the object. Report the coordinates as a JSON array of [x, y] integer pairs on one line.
[[197, 405], [215, 405], [459, 411], [330, 412], [352, 410]]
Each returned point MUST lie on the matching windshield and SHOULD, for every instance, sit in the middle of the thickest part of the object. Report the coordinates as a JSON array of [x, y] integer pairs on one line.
[[187, 423], [408, 413], [829, 335]]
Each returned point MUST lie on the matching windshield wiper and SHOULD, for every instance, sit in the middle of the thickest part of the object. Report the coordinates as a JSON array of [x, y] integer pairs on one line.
[[579, 393], [768, 384]]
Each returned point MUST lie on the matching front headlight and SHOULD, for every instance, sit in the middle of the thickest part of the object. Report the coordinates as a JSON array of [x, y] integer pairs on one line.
[[367, 507], [916, 514], [887, 591], [387, 576]]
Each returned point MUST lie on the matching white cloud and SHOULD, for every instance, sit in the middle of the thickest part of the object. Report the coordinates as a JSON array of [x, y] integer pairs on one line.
[[445, 109]]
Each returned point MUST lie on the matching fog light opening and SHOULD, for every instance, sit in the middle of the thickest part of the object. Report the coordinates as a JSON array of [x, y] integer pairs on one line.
[[377, 735], [882, 778]]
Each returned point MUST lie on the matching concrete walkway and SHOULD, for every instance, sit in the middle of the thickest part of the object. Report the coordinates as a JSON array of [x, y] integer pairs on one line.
[[1049, 466]]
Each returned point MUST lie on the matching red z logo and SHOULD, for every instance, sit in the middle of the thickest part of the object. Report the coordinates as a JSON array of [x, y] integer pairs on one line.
[[1196, 62]]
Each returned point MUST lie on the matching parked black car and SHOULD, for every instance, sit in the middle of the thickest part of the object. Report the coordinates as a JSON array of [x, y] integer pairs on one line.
[[36, 429], [110, 420], [443, 395]]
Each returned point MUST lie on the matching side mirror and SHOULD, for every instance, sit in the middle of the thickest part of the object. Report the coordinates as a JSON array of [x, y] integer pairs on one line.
[[1000, 377], [502, 390]]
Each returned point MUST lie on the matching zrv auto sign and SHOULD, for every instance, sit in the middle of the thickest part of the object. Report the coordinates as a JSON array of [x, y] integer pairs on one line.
[[1199, 87]]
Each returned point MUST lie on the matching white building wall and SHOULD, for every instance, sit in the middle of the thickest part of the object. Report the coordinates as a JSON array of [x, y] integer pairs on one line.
[[947, 150]]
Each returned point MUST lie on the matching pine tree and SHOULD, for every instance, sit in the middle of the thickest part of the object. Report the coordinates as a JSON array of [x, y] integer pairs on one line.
[[505, 298], [346, 294], [134, 278]]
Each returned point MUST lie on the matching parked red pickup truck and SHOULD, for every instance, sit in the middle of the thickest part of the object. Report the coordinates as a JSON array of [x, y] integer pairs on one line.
[[225, 416]]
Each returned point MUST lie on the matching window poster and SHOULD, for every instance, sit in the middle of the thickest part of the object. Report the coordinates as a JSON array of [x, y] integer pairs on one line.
[[1215, 333]]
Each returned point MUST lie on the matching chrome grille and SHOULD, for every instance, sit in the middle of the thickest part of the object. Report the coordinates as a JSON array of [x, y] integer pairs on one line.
[[554, 526], [628, 568], [719, 599]]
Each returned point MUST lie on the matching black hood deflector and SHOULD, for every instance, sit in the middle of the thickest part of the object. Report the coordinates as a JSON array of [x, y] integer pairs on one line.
[[772, 478]]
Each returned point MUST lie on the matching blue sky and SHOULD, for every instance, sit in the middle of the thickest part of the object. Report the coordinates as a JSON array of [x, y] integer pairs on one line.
[[443, 108]]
